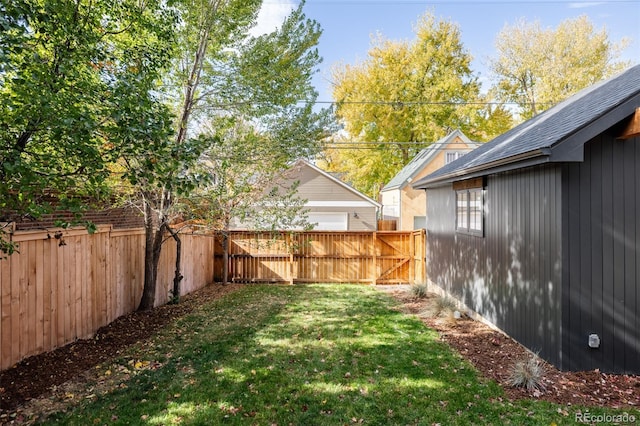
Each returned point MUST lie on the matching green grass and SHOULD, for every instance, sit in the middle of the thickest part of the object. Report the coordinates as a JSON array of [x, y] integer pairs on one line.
[[304, 355]]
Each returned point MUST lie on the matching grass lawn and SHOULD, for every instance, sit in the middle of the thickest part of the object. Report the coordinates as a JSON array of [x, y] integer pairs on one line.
[[303, 355]]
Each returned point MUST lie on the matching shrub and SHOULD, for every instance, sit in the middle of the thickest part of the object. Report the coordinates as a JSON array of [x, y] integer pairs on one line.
[[528, 373], [445, 304], [419, 291]]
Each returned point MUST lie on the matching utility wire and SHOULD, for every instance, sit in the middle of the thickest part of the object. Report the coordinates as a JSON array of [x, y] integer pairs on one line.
[[355, 145], [441, 2], [410, 103]]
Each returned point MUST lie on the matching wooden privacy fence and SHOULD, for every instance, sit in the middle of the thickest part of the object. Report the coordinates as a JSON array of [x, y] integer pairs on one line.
[[57, 290], [391, 257]]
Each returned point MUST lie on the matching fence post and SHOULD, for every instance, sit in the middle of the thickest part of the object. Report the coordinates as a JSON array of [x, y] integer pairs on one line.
[[423, 254], [412, 256], [374, 258], [290, 249]]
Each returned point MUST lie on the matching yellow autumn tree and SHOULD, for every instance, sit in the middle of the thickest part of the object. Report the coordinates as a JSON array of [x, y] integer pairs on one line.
[[402, 97], [537, 67]]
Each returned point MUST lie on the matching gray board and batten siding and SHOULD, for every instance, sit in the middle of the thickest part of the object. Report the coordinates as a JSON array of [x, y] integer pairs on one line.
[[559, 256], [511, 275], [601, 262]]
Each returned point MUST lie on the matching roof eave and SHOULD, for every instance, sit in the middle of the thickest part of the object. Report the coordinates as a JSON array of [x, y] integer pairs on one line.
[[571, 148], [530, 158]]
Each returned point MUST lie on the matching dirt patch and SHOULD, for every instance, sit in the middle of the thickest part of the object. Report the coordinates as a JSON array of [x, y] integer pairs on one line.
[[494, 355], [35, 383]]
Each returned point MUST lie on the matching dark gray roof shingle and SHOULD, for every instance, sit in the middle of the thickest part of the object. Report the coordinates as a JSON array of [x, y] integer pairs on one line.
[[548, 129]]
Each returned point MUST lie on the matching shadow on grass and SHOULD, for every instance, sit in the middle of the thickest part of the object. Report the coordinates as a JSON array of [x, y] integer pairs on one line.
[[301, 355]]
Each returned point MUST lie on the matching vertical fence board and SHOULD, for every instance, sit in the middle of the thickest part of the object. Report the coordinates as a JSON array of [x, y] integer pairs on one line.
[[6, 337], [39, 273], [70, 294], [61, 297], [16, 307], [26, 313], [86, 303], [80, 289], [50, 294]]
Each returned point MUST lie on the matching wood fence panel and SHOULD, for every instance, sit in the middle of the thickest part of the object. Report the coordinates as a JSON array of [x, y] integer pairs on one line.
[[57, 290], [325, 256]]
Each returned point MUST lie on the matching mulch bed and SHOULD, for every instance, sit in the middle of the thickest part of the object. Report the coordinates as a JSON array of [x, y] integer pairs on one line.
[[39, 375], [490, 351], [494, 354]]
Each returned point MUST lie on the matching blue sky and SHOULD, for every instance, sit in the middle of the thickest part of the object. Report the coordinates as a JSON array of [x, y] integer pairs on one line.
[[348, 24]]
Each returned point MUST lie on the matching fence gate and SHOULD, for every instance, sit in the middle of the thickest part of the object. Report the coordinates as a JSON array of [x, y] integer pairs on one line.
[[384, 257]]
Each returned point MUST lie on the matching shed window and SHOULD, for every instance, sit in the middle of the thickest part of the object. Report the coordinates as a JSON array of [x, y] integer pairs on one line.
[[475, 209], [462, 209], [469, 210]]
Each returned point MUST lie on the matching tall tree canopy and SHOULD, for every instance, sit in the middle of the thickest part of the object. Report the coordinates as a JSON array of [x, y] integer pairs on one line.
[[405, 95], [99, 95], [537, 67], [226, 78], [76, 89]]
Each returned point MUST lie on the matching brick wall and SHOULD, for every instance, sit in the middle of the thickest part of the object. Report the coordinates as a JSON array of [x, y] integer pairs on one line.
[[120, 218]]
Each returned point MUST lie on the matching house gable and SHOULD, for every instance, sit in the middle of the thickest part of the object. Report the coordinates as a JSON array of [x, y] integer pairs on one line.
[[319, 187], [406, 205], [330, 203], [426, 161]]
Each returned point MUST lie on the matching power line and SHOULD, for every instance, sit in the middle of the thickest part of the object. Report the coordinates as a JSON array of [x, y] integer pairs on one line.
[[409, 103], [401, 104], [439, 2], [348, 145]]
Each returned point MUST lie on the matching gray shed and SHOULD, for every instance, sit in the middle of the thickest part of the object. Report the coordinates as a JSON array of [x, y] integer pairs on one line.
[[538, 230]]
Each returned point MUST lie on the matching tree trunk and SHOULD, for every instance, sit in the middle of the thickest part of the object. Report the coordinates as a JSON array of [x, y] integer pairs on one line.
[[225, 258], [177, 277], [153, 246]]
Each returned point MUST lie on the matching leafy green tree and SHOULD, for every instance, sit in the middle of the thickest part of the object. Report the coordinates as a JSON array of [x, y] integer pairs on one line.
[[76, 91], [246, 188], [405, 95], [255, 142], [222, 74], [537, 67]]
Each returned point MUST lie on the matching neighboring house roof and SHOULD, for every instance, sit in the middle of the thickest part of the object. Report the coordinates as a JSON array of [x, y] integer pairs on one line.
[[556, 135], [424, 157], [337, 181]]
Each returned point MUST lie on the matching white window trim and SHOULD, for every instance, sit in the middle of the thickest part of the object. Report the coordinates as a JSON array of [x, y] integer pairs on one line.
[[455, 154], [465, 228]]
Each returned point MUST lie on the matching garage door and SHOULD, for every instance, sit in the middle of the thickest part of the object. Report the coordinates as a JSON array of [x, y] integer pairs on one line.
[[328, 221]]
